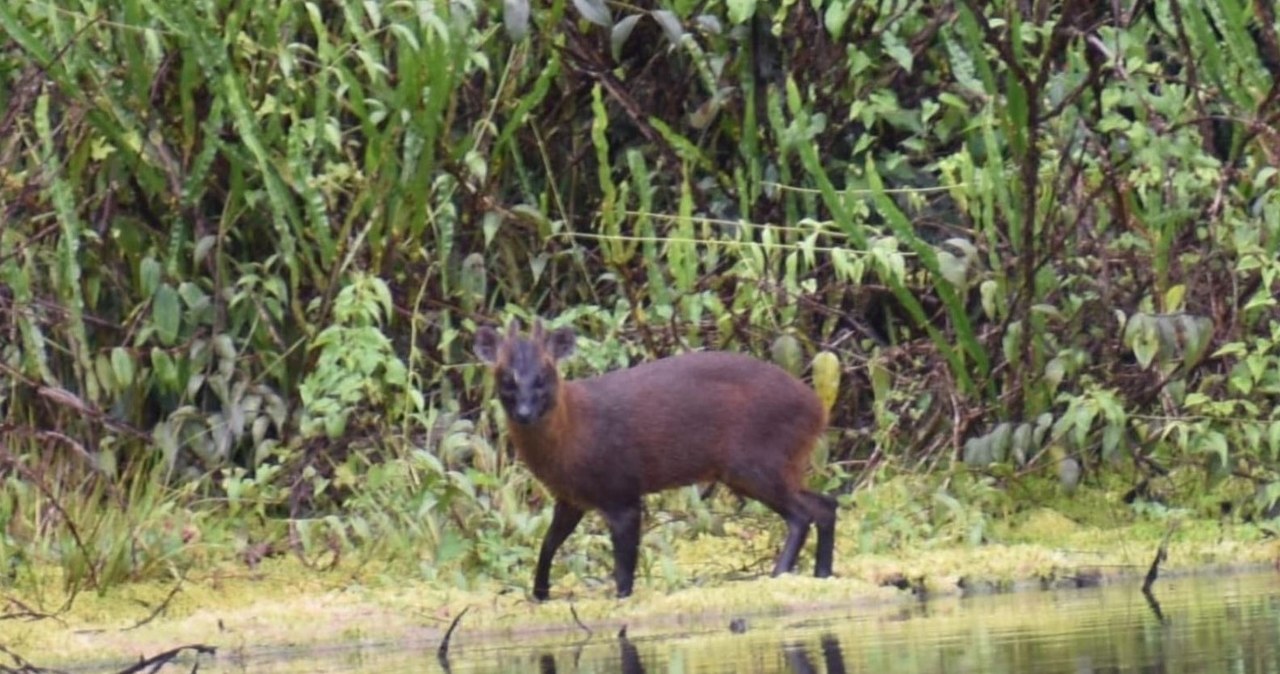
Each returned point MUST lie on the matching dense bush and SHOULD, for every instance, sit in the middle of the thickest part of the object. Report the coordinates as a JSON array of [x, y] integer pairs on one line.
[[243, 246]]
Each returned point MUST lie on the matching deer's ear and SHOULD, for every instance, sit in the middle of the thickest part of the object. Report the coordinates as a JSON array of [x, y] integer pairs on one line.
[[561, 342], [486, 344]]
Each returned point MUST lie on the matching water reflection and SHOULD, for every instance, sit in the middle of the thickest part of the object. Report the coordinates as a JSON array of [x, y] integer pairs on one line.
[[1153, 604], [1197, 625], [628, 658], [1189, 625], [832, 658], [796, 656]]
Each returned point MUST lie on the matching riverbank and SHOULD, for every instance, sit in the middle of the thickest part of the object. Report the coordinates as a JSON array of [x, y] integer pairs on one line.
[[281, 604]]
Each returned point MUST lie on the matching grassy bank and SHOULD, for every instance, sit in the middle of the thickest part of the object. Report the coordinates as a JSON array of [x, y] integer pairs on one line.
[[283, 603]]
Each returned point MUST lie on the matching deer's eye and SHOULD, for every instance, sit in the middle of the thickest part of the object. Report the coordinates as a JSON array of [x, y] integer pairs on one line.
[[507, 383]]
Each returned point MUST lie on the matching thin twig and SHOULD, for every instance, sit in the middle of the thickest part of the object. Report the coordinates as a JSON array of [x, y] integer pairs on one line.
[[574, 612], [164, 605], [25, 612], [442, 653], [31, 477], [23, 665], [155, 662]]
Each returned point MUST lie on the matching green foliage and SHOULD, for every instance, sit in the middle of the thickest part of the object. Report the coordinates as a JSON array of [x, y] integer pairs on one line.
[[356, 363], [243, 246]]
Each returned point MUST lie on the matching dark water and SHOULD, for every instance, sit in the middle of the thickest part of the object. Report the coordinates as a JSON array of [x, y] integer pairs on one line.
[[1201, 624]]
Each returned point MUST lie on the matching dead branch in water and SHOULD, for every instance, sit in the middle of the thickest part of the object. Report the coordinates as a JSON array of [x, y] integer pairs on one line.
[[155, 662], [1162, 554], [442, 653]]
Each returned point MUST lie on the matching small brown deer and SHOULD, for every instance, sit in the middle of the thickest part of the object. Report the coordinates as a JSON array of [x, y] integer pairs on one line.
[[604, 442]]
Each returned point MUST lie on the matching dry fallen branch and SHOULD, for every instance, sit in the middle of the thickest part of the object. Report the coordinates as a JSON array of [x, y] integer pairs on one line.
[[161, 608], [17, 610], [442, 653], [22, 665], [578, 620], [1162, 554], [155, 662]]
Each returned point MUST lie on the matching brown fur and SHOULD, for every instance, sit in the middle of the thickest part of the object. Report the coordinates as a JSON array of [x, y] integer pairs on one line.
[[608, 440], [677, 421]]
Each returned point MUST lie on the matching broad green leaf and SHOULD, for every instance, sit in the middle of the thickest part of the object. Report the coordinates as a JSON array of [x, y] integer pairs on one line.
[[826, 378], [1082, 422], [1011, 341], [1069, 473], [193, 295], [1043, 423], [1215, 444], [1111, 436], [166, 314], [595, 11], [1142, 338], [711, 24], [515, 18], [537, 265], [223, 347], [1240, 379], [836, 16], [881, 379], [534, 215], [490, 223], [1173, 298], [988, 289], [1234, 349], [1054, 371], [786, 352], [203, 247], [1199, 335], [1046, 310], [955, 269], [621, 31], [149, 275], [1001, 441], [477, 166], [1021, 444], [977, 452], [103, 374], [741, 11], [473, 283], [670, 24], [122, 366], [166, 371], [897, 51]]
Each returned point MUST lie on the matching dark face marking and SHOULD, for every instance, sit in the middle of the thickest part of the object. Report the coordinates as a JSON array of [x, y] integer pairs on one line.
[[527, 384], [527, 379]]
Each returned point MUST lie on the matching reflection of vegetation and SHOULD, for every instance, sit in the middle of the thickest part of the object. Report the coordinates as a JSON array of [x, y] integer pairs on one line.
[[244, 244], [1216, 621]]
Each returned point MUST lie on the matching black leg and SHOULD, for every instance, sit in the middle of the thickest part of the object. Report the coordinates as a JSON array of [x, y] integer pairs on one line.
[[804, 536], [826, 550], [624, 529], [797, 530], [564, 520], [823, 509]]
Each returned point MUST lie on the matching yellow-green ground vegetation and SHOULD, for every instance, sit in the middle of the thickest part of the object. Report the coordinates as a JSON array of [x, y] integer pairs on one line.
[[686, 579]]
